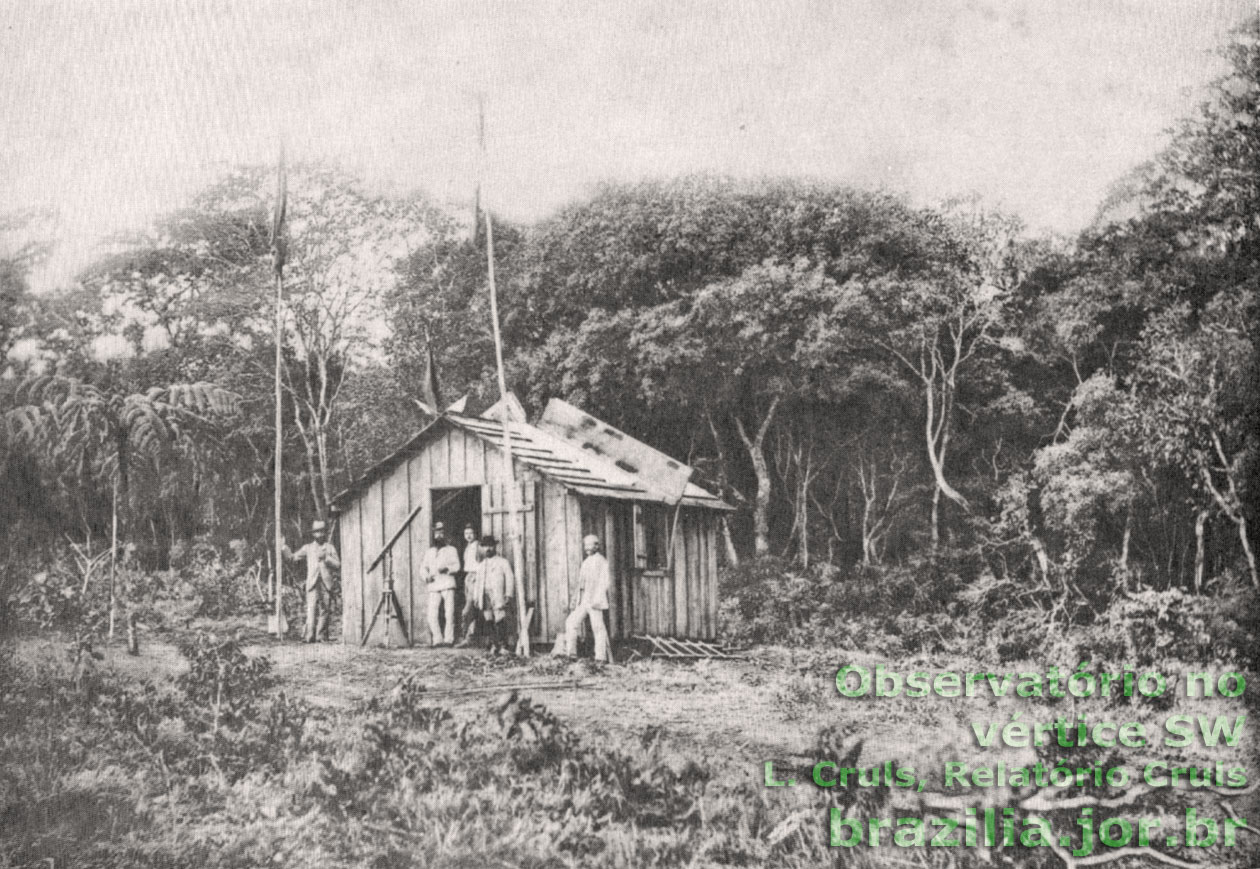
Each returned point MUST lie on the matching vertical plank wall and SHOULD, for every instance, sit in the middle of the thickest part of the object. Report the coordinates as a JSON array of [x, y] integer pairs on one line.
[[682, 603], [623, 533], [396, 506], [417, 470], [559, 577], [372, 535], [711, 577], [695, 576], [496, 519], [350, 546]]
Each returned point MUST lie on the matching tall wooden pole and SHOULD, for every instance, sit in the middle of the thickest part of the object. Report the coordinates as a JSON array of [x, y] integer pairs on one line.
[[516, 518], [277, 250], [279, 475]]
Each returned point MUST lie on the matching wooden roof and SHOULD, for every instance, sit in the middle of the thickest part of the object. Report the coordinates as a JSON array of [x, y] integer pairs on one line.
[[609, 464]]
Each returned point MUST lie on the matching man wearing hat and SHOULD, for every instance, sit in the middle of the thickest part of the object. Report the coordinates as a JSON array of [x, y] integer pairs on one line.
[[593, 583], [472, 580], [497, 585], [322, 565], [438, 569]]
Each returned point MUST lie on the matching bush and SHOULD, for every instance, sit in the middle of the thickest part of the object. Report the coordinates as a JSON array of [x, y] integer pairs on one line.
[[1148, 626], [882, 609], [225, 584], [202, 581], [222, 678]]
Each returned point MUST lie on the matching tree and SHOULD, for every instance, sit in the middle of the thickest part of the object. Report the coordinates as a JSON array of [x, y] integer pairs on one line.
[[21, 250], [102, 430], [1163, 302], [936, 325], [736, 352], [204, 277], [697, 313], [1189, 385], [442, 302]]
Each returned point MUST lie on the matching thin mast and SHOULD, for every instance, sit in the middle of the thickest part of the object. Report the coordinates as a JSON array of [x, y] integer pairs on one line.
[[515, 518], [277, 228]]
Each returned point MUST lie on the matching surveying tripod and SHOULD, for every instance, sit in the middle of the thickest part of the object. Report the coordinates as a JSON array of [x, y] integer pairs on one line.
[[393, 609], [389, 600]]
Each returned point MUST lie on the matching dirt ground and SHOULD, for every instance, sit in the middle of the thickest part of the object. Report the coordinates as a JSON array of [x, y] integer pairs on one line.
[[734, 714], [730, 716]]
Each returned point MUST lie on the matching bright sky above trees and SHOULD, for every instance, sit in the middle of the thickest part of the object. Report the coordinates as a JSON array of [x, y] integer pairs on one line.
[[113, 112]]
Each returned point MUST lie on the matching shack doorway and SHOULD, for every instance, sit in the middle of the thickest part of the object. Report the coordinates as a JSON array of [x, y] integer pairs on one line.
[[457, 508]]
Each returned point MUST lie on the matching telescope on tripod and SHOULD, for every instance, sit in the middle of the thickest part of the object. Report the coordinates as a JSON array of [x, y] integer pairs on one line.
[[389, 600]]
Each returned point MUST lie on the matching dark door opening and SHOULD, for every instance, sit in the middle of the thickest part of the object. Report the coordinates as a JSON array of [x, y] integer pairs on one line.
[[457, 509]]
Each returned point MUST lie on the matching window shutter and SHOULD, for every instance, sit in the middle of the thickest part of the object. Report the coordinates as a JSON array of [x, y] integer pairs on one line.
[[640, 539]]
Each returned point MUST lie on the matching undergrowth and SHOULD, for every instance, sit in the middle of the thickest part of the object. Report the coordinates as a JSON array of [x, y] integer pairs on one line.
[[221, 769]]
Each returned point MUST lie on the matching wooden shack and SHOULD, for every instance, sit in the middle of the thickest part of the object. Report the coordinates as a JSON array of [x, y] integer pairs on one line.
[[576, 476]]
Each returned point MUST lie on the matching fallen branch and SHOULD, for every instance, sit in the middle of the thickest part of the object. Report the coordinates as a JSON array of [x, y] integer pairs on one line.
[[389, 831], [518, 686], [1238, 822]]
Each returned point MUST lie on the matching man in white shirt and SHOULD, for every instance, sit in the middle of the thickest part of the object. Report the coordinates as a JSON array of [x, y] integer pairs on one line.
[[593, 583], [497, 587], [472, 581], [322, 565], [438, 569]]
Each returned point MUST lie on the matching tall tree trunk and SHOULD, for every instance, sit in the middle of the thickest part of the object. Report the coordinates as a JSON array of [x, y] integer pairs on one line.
[[1124, 548], [119, 503], [803, 500], [310, 456], [936, 518], [1247, 550], [757, 453], [868, 529], [1200, 553], [321, 443], [1230, 502], [113, 557]]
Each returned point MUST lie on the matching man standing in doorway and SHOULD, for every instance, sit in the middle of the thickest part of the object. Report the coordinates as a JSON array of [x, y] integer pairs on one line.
[[497, 587], [472, 584], [593, 583], [441, 563], [322, 565]]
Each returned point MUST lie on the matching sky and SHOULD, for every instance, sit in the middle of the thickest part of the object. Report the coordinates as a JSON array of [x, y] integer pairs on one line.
[[112, 112]]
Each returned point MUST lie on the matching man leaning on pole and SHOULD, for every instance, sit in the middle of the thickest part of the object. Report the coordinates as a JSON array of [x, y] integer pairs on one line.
[[322, 565]]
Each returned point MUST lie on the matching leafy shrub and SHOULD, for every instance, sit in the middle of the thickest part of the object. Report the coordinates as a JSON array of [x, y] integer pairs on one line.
[[883, 609], [225, 584], [50, 598], [222, 678], [1151, 625]]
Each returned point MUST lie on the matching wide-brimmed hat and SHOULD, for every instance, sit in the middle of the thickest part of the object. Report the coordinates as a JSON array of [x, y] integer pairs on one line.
[[439, 526], [590, 538], [488, 540], [318, 525]]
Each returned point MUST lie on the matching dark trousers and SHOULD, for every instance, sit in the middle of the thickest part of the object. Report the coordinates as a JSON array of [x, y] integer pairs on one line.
[[498, 624]]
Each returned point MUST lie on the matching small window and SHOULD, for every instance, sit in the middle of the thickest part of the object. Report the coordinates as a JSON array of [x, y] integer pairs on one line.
[[651, 536]]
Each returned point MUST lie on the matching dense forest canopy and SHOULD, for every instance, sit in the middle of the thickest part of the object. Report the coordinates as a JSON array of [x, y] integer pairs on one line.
[[874, 384]]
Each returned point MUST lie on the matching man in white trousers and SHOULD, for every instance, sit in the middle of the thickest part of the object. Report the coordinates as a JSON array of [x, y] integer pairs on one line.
[[472, 584], [593, 583], [441, 563]]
